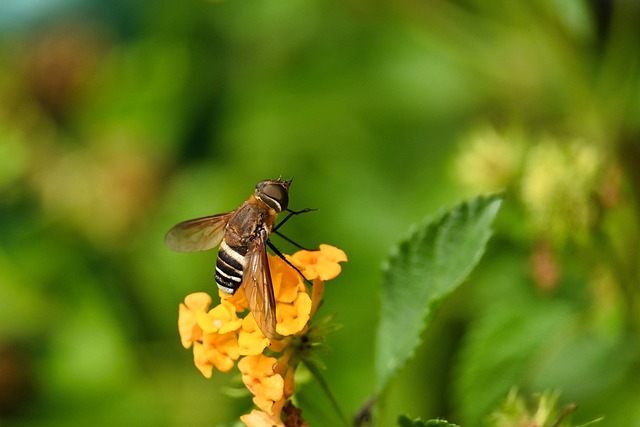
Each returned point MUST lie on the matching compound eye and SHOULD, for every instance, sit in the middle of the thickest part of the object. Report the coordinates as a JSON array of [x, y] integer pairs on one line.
[[275, 196]]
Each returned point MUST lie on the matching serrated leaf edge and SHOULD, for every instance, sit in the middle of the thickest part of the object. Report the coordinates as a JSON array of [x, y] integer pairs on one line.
[[435, 220]]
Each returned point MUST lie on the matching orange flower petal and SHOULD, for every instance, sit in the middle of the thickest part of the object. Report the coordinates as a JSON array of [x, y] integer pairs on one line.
[[188, 327], [323, 264], [251, 340], [292, 318], [221, 319], [266, 386], [238, 299], [290, 284], [260, 419], [216, 350], [201, 358], [284, 278]]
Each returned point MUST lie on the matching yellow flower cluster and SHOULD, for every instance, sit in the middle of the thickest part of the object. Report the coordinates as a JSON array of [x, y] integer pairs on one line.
[[220, 336], [489, 160], [557, 179], [558, 186]]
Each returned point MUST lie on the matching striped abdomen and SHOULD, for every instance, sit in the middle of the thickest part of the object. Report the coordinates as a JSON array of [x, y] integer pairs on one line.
[[229, 267]]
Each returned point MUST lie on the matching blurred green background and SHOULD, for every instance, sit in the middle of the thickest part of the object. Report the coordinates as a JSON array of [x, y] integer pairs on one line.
[[119, 119]]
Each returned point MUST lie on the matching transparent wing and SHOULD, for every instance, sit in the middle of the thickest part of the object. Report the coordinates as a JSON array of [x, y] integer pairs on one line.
[[198, 234], [258, 288]]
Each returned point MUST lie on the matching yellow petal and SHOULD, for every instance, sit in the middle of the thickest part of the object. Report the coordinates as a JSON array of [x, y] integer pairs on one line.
[[198, 301], [201, 359], [259, 377], [222, 319], [188, 327], [216, 350], [251, 340], [292, 318], [284, 278], [323, 264], [238, 299]]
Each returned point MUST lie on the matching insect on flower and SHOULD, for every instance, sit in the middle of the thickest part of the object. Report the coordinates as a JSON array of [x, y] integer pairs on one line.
[[243, 237]]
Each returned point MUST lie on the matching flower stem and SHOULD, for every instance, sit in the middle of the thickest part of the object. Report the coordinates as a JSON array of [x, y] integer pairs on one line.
[[316, 296], [325, 387]]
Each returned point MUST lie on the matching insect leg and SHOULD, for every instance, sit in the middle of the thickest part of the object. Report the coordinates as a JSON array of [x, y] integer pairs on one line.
[[279, 254], [291, 241], [291, 213]]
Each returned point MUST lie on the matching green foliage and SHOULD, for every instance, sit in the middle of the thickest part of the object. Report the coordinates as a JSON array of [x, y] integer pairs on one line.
[[542, 411], [423, 270], [404, 421], [502, 344], [118, 119]]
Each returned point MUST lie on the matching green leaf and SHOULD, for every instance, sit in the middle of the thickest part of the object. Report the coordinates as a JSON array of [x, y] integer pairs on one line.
[[404, 421], [422, 271]]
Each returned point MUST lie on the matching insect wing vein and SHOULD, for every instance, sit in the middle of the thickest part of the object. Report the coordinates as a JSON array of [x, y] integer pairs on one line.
[[258, 287], [198, 234]]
